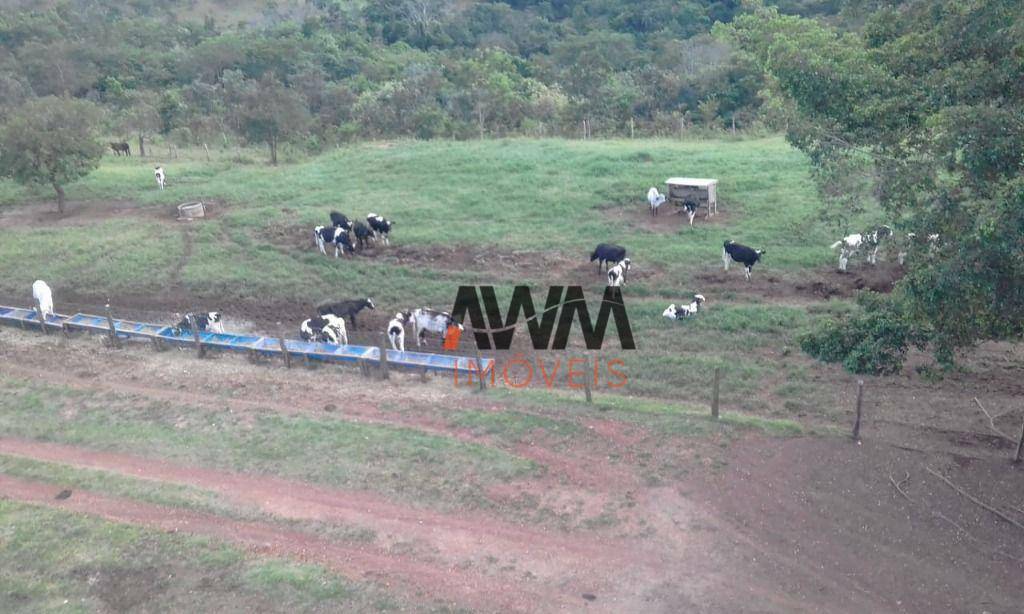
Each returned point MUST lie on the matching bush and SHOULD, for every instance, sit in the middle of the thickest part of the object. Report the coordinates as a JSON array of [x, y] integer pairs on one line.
[[873, 340]]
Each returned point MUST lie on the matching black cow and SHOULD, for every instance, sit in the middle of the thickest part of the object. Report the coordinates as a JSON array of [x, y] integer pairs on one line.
[[363, 234], [746, 256], [346, 309], [607, 254], [380, 225], [340, 220], [121, 148]]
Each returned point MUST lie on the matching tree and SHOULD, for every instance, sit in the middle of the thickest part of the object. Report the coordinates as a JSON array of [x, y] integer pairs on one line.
[[50, 141], [925, 108], [142, 117], [272, 113]]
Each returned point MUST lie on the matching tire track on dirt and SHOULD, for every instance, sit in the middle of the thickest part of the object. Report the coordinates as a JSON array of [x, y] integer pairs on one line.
[[477, 591]]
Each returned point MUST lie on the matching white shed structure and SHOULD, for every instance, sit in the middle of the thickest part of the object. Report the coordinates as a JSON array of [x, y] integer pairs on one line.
[[704, 192]]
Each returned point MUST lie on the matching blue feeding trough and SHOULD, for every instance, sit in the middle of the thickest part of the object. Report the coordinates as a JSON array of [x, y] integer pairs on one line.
[[326, 352]]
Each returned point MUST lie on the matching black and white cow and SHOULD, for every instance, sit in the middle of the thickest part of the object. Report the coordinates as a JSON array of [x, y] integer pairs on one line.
[[340, 220], [325, 328], [607, 254], [381, 226], [851, 244], [655, 199], [396, 330], [333, 235], [617, 274], [346, 309], [209, 321], [691, 210], [429, 320], [746, 256], [363, 234], [161, 178], [685, 311]]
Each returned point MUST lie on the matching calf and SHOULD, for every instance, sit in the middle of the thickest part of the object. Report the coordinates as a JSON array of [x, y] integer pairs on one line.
[[607, 254], [381, 226], [363, 234], [655, 199], [346, 309], [851, 244], [685, 311], [396, 330], [325, 328], [691, 210], [340, 220], [43, 298], [202, 322], [428, 320], [161, 179], [335, 236], [617, 274], [746, 256]]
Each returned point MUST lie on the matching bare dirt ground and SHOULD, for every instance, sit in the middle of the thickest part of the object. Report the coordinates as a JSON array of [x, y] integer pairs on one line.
[[759, 525]]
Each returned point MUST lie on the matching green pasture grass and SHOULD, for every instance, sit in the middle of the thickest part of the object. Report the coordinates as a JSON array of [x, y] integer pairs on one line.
[[55, 561], [399, 462]]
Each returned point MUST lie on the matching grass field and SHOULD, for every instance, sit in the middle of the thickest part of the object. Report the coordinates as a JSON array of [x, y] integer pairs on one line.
[[217, 484]]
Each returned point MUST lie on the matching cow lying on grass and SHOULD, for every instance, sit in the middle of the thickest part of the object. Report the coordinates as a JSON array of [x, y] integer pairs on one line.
[[684, 311]]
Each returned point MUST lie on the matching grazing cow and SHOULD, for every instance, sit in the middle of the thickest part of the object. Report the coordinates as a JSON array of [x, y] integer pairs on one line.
[[381, 226], [340, 220], [655, 199], [363, 234], [932, 240], [121, 148], [346, 309], [325, 328], [691, 210], [44, 297], [607, 254], [210, 321], [396, 330], [617, 274], [685, 311], [428, 320], [851, 244], [161, 179], [335, 236], [746, 256]]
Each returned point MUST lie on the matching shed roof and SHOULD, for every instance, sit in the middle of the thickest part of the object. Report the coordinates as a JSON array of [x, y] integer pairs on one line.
[[691, 182]]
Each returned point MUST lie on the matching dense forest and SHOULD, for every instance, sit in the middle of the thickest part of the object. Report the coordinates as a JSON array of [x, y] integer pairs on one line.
[[319, 72]]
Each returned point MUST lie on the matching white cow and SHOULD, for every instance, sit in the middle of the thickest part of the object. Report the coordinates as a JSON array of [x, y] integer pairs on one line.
[[428, 320], [655, 199], [396, 331], [43, 297]]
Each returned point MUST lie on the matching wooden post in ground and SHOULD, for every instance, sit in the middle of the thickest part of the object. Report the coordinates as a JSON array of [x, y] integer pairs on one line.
[[42, 318], [65, 330], [111, 332], [284, 352], [631, 127], [198, 341], [207, 150], [714, 393], [479, 367], [860, 401], [1020, 445], [586, 380], [384, 356], [423, 375]]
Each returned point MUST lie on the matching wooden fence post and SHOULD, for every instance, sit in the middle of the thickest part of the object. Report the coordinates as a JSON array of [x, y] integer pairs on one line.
[[631, 127], [860, 401], [384, 356], [111, 332], [65, 330], [1020, 445], [586, 380], [714, 393], [198, 341], [42, 318], [284, 352], [480, 367]]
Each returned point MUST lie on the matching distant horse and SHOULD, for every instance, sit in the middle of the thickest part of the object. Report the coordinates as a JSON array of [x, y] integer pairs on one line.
[[121, 148]]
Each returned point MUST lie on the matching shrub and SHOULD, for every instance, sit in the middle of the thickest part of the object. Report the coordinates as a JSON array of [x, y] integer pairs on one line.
[[873, 340]]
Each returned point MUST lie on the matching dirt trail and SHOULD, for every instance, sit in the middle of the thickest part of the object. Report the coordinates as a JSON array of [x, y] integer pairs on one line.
[[464, 588]]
